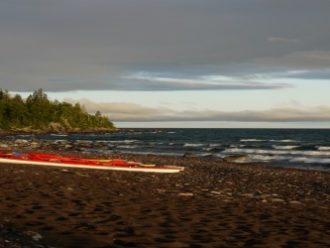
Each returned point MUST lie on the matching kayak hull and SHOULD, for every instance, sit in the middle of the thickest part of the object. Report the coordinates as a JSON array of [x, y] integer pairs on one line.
[[95, 167]]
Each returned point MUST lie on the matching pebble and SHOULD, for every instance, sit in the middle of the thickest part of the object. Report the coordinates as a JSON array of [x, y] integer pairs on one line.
[[186, 194], [295, 202], [277, 200], [34, 235], [264, 196], [249, 195], [216, 192], [81, 174], [21, 141], [34, 144]]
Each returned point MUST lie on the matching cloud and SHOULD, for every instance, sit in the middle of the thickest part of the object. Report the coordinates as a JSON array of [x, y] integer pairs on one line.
[[313, 60], [79, 44], [145, 81], [283, 40], [137, 113]]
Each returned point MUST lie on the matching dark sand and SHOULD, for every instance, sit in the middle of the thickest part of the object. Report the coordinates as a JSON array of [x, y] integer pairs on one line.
[[210, 204]]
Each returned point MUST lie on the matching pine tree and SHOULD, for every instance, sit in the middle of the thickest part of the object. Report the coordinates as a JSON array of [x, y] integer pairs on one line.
[[38, 112]]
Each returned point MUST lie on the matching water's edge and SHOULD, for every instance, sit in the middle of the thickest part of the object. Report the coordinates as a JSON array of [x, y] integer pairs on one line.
[[293, 148]]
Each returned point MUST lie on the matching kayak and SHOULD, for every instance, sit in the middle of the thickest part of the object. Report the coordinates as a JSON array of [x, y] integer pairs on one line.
[[54, 160]]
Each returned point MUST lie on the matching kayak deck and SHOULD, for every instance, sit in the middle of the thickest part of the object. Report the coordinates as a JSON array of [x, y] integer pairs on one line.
[[46, 159]]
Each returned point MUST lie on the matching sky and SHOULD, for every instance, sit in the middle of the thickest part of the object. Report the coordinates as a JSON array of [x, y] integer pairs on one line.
[[174, 63]]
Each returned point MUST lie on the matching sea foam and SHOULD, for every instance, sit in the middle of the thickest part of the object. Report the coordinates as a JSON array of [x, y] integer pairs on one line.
[[284, 147], [252, 140], [276, 152], [323, 148]]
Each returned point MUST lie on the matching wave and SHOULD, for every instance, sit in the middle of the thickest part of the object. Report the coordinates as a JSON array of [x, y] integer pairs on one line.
[[323, 148], [284, 141], [214, 145], [267, 158], [102, 141], [154, 132], [252, 140], [25, 135], [58, 135], [237, 145], [212, 149], [127, 147], [308, 160], [253, 158], [59, 141], [193, 145], [284, 147], [123, 141], [276, 152], [200, 154]]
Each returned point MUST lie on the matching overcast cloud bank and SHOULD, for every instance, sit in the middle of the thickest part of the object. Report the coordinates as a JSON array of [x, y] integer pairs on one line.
[[121, 111], [83, 45]]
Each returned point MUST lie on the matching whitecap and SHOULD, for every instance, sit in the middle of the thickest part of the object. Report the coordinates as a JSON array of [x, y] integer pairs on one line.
[[202, 154], [276, 152], [214, 145], [268, 158], [252, 140], [59, 141], [323, 148], [210, 149], [193, 145], [264, 158], [284, 141], [127, 147], [285, 147], [58, 135], [123, 141], [308, 160]]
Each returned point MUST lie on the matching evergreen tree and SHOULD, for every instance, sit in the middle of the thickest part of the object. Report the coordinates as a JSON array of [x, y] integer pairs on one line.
[[38, 112]]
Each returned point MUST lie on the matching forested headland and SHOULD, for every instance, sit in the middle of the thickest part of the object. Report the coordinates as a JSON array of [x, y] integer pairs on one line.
[[37, 113]]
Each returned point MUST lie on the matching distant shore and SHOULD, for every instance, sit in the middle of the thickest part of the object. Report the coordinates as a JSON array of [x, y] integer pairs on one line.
[[210, 204]]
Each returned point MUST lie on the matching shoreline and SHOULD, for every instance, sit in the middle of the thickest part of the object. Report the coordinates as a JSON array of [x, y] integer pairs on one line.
[[212, 203], [98, 148], [48, 132]]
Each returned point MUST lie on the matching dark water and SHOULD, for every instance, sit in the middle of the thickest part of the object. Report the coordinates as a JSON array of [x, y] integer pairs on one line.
[[309, 149]]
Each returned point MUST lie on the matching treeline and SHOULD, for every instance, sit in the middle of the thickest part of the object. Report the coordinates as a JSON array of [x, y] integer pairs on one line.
[[38, 113]]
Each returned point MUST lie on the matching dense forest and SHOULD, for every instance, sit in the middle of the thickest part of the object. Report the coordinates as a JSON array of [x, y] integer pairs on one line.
[[38, 113]]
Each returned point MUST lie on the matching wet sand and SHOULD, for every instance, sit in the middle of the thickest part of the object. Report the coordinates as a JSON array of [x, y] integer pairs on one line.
[[210, 204]]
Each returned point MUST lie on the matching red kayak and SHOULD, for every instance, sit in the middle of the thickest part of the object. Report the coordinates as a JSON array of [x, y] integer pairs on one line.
[[47, 159]]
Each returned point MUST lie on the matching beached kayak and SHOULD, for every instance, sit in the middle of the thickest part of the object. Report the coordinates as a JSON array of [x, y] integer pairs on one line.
[[47, 159]]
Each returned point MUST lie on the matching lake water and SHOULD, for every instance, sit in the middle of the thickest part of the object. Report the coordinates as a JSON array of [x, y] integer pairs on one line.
[[303, 148]]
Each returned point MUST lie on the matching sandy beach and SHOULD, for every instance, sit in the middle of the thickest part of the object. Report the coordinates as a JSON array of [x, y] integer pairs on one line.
[[210, 204]]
